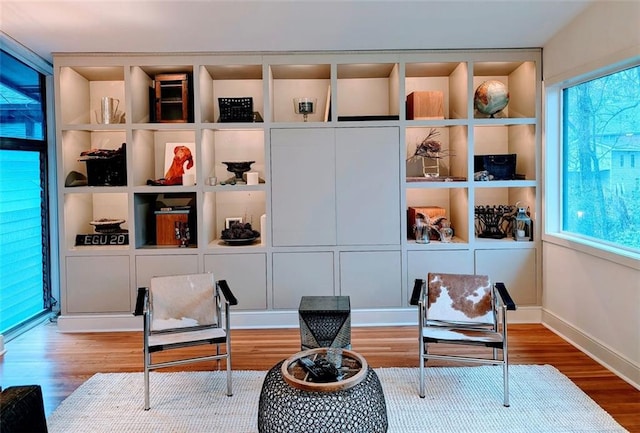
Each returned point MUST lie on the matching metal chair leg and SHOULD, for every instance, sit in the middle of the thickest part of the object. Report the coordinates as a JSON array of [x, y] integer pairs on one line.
[[229, 380], [146, 381], [422, 362], [505, 375]]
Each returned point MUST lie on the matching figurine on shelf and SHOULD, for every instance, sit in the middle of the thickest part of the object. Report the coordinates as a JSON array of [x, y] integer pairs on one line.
[[182, 233], [182, 155]]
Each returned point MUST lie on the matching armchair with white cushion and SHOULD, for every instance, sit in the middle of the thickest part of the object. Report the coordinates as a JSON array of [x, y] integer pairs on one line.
[[182, 311]]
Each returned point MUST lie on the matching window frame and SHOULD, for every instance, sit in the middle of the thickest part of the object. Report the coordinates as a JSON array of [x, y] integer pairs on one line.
[[552, 170], [45, 68]]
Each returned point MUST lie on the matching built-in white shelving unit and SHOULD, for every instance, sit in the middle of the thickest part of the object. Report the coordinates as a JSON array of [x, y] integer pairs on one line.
[[332, 200]]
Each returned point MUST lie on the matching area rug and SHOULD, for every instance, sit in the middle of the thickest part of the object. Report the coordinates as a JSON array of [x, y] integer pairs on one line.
[[459, 400]]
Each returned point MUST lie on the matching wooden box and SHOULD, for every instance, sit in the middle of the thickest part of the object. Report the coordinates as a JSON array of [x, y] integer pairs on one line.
[[425, 105], [430, 211], [165, 226]]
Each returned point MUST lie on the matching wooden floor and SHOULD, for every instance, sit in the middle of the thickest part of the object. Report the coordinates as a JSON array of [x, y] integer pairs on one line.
[[61, 362]]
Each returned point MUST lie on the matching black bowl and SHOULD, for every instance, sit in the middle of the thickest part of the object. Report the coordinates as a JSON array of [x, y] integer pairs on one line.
[[238, 167]]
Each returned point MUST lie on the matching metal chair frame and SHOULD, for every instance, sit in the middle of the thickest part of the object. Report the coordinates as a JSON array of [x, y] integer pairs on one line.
[[492, 335], [174, 338]]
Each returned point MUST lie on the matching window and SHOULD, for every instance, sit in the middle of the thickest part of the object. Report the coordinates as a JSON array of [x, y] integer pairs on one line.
[[601, 138], [25, 291]]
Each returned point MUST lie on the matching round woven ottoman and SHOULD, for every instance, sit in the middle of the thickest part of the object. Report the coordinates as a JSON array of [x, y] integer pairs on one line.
[[284, 408]]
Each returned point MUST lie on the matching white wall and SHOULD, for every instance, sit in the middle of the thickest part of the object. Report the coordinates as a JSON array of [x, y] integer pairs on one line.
[[591, 299], [606, 33]]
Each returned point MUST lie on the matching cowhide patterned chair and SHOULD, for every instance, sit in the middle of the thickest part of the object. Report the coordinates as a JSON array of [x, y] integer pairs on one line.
[[183, 311], [467, 310]]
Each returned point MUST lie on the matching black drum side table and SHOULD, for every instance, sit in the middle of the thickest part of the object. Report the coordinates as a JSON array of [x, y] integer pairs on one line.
[[325, 321], [290, 404]]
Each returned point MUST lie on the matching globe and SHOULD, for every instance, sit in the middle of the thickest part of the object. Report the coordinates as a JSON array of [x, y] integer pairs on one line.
[[491, 97]]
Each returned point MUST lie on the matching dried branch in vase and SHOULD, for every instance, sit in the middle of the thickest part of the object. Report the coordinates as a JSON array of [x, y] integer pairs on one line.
[[430, 147]]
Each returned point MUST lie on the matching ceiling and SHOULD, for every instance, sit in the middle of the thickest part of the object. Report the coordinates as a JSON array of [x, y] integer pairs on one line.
[[50, 26]]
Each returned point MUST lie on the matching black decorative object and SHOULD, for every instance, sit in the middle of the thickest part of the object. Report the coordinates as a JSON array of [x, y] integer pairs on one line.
[[106, 167], [285, 409], [320, 370], [103, 239], [498, 167], [236, 109], [325, 321], [494, 222], [239, 234], [239, 168]]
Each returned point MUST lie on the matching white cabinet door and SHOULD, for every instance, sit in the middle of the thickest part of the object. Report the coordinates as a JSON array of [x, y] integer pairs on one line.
[[301, 274], [515, 268], [148, 267], [303, 189], [335, 186], [372, 279], [97, 285], [420, 263], [368, 186], [246, 275]]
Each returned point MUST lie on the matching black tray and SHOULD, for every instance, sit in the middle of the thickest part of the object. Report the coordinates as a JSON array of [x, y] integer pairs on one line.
[[235, 242]]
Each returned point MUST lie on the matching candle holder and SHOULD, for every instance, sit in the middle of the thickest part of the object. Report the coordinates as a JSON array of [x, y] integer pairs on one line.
[[305, 106], [522, 228]]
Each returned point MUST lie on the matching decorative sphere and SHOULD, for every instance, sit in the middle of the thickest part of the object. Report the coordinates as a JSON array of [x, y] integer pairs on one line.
[[491, 97]]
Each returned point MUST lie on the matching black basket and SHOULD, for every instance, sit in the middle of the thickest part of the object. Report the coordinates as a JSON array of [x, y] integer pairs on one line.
[[236, 109]]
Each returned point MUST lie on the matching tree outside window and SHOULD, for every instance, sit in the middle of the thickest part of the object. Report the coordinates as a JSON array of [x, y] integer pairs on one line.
[[601, 194]]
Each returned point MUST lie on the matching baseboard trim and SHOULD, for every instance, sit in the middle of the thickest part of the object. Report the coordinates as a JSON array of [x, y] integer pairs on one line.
[[271, 319], [99, 323], [595, 349]]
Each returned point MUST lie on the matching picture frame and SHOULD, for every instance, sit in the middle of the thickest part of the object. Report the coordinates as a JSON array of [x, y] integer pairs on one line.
[[228, 222]]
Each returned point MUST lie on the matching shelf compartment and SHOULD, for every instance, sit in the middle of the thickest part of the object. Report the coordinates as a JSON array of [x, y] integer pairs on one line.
[[368, 89], [82, 88], [74, 142], [152, 148], [449, 78], [82, 208], [219, 206], [229, 81], [452, 164], [511, 139], [142, 80], [509, 196], [520, 80], [300, 80], [173, 98], [220, 145], [454, 201], [148, 220]]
